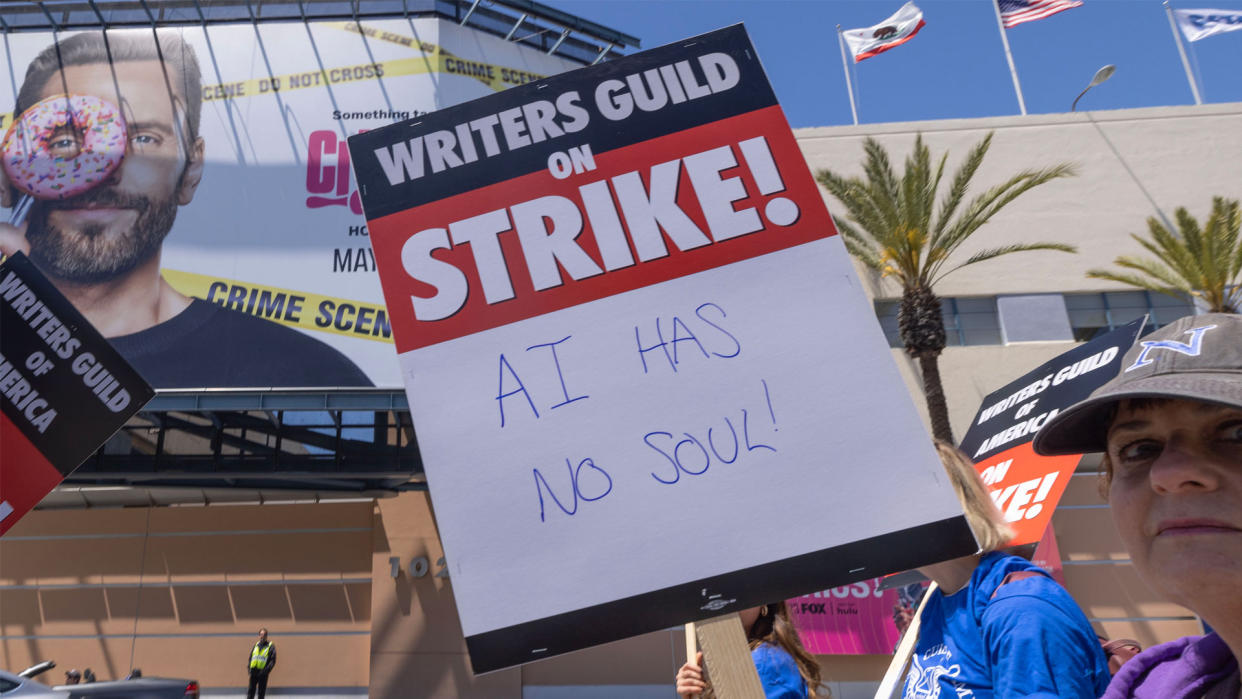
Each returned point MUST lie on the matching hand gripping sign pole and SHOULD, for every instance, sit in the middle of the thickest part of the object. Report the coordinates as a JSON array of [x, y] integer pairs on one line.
[[726, 656]]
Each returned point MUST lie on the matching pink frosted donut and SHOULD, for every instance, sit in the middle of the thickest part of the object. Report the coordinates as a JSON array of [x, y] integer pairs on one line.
[[63, 146]]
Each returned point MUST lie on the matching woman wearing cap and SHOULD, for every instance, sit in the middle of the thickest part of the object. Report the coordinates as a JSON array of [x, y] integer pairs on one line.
[[999, 626], [1170, 427]]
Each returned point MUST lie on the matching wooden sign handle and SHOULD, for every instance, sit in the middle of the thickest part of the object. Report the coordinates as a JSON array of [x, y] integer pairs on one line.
[[692, 647], [726, 655], [905, 650]]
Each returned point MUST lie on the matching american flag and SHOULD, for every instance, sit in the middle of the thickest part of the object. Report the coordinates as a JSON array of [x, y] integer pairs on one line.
[[1015, 12]]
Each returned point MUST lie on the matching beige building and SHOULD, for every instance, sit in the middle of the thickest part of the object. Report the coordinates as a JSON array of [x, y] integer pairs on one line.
[[354, 591]]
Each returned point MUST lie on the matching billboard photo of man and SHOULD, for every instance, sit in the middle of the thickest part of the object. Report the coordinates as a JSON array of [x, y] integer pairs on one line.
[[102, 248]]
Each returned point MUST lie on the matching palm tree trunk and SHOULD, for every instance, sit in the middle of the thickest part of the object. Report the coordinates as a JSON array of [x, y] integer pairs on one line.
[[933, 391], [921, 324]]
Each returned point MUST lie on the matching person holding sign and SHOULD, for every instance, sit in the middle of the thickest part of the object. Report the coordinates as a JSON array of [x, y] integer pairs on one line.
[[785, 668], [998, 626], [1170, 427]]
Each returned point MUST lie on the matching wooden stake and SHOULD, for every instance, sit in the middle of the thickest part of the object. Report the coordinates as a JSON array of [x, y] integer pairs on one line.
[[905, 650], [692, 647], [727, 656]]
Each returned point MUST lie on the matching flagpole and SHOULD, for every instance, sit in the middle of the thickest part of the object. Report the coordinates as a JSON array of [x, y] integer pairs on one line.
[[1013, 72], [1181, 51], [849, 85]]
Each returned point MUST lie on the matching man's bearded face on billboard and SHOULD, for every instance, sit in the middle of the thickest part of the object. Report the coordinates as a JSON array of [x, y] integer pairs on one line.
[[110, 230]]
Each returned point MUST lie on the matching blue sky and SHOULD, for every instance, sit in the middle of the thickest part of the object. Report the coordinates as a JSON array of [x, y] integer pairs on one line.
[[955, 67]]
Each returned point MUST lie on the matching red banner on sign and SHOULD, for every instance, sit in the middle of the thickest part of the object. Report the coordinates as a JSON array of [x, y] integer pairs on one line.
[[1026, 487], [26, 475], [539, 244]]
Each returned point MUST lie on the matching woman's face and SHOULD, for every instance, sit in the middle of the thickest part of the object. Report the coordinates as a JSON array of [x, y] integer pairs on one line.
[[749, 617], [1176, 497]]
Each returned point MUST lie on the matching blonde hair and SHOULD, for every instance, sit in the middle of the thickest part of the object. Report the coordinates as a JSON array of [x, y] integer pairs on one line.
[[989, 525]]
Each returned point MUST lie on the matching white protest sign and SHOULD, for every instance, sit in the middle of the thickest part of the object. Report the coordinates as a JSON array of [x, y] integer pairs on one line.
[[646, 385]]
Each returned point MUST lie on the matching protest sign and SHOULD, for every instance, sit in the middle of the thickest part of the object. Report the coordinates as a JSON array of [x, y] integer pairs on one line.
[[63, 389], [1026, 486], [638, 357]]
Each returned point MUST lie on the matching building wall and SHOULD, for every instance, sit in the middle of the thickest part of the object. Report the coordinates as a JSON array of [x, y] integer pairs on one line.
[[182, 591]]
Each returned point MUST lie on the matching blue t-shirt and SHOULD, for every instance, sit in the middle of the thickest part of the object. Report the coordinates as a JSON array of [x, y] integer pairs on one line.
[[778, 672], [1030, 640]]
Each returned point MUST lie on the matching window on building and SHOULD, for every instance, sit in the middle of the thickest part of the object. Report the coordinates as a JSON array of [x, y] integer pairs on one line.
[[1092, 314], [967, 321]]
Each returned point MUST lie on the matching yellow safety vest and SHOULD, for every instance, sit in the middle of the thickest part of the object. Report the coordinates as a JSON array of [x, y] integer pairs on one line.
[[258, 656]]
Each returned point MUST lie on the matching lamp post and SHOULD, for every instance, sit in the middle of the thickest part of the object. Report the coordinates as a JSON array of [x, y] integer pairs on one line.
[[1100, 76]]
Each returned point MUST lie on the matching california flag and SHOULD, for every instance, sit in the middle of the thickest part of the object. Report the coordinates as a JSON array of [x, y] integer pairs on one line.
[[894, 31]]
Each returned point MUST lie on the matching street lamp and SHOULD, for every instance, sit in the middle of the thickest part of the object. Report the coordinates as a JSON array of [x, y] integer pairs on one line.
[[1100, 76]]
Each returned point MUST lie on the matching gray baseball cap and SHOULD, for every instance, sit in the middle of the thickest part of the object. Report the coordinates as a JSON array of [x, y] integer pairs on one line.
[[1194, 358]]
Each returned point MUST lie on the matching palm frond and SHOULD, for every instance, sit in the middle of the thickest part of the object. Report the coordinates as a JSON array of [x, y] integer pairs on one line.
[[961, 184], [1160, 274], [1140, 282], [983, 207], [1204, 262], [991, 253]]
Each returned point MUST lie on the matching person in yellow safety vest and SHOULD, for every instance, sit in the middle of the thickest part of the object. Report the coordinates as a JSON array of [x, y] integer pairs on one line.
[[262, 660]]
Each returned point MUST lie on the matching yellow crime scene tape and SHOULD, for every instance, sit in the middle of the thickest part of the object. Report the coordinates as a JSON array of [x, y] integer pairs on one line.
[[435, 59], [493, 75], [298, 309]]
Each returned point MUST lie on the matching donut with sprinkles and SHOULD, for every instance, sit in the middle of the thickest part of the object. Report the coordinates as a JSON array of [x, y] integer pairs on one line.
[[63, 146]]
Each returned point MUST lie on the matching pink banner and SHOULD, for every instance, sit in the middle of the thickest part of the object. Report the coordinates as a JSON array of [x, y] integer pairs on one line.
[[852, 620]]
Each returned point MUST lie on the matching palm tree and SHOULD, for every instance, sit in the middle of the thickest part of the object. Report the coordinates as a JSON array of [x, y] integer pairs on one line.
[[892, 229], [1203, 264]]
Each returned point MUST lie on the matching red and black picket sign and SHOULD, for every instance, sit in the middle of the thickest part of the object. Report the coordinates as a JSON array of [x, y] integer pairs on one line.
[[64, 390], [1025, 485]]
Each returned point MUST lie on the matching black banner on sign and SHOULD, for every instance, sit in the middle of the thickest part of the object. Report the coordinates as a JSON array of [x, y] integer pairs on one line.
[[63, 389], [1012, 415], [515, 132], [720, 594]]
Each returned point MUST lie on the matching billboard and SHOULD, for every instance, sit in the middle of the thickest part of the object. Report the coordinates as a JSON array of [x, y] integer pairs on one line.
[[637, 356], [226, 246]]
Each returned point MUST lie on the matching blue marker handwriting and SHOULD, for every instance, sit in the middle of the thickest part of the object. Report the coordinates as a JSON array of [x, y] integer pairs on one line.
[[599, 488], [720, 443], [510, 383], [675, 341]]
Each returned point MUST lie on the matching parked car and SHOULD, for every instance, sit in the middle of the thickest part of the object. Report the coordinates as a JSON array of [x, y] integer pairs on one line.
[[141, 688], [23, 686], [18, 687]]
